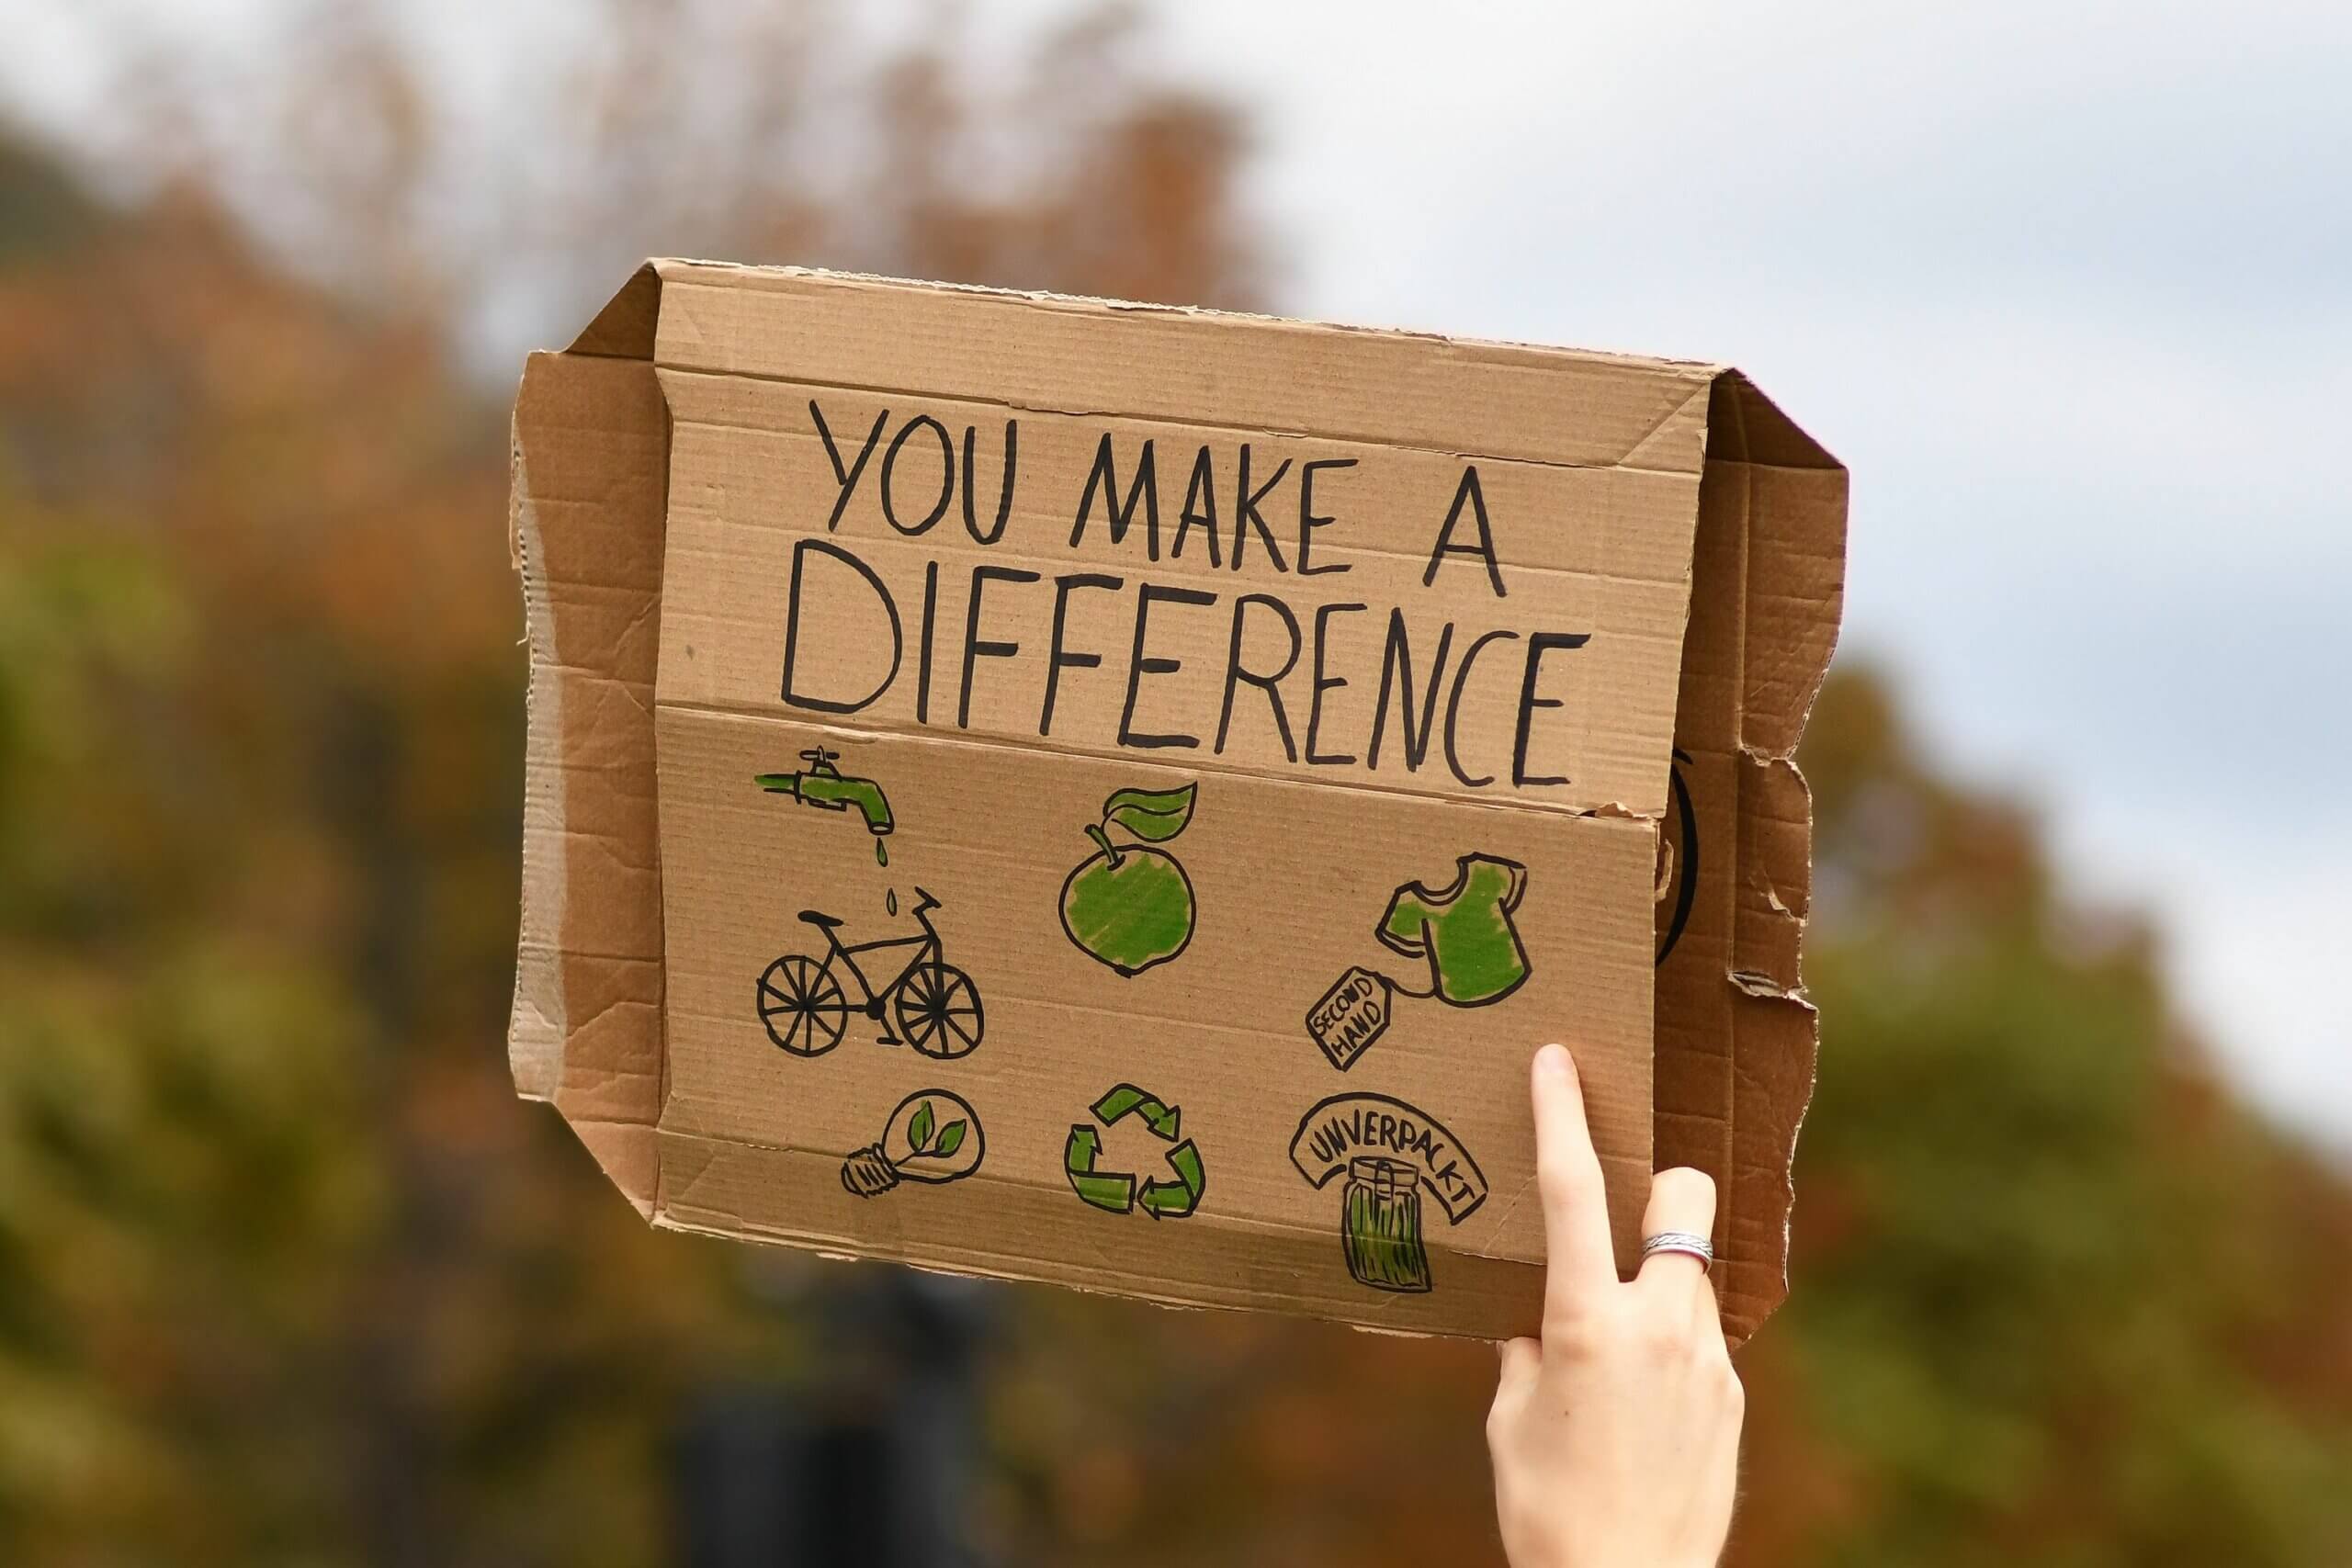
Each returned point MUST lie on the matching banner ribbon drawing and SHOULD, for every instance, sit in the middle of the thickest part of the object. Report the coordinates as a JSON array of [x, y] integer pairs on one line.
[[1347, 1125]]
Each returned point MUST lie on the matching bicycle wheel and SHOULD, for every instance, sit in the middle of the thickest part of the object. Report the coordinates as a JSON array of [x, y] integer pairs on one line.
[[938, 1010], [802, 1007]]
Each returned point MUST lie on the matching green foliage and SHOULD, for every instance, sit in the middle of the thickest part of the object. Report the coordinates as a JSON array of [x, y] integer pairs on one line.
[[2034, 1245], [284, 1272]]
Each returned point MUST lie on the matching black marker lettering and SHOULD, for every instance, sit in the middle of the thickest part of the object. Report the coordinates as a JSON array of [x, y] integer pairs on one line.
[[929, 614], [1138, 665], [1307, 521], [1484, 550], [1104, 477], [1538, 645], [1322, 683], [946, 475], [1246, 512], [1270, 682], [1200, 510], [974, 649], [800, 553], [1057, 659], [1454, 707], [1004, 497], [846, 476], [1396, 670]]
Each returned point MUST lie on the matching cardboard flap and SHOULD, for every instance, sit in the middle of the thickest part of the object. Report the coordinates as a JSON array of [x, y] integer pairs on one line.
[[589, 458], [624, 329], [1055, 354], [1735, 1038]]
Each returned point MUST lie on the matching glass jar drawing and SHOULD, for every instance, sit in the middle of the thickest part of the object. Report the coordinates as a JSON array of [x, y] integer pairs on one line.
[[1380, 1225]]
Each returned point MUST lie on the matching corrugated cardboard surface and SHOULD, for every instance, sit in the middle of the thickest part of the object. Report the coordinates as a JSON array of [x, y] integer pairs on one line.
[[590, 454], [670, 472], [1602, 550], [1736, 1040]]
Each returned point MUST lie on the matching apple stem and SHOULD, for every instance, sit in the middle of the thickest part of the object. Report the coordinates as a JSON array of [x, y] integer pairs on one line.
[[1094, 831]]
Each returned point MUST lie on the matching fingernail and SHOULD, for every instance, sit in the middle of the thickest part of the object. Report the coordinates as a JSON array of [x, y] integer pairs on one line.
[[1552, 1059]]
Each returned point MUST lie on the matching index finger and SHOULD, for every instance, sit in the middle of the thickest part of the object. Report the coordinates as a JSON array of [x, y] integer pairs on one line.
[[1580, 1263]]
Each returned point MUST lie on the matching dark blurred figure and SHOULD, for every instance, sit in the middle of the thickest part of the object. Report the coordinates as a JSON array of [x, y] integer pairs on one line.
[[869, 1460]]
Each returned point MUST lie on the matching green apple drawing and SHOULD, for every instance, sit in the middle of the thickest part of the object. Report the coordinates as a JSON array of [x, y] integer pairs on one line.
[[1130, 907]]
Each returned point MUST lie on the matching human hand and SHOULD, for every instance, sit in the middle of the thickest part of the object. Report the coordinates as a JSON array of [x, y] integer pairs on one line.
[[1615, 1438]]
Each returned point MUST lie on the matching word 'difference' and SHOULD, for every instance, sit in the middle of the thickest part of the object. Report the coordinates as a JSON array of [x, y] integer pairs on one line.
[[1139, 593]]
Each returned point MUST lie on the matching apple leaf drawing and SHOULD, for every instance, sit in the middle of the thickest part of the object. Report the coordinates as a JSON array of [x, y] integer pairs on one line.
[[1154, 816], [951, 1138], [918, 1130]]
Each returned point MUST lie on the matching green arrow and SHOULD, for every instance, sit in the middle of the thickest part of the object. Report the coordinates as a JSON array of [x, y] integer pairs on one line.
[[1174, 1200], [1126, 1099], [1112, 1191], [1113, 1195]]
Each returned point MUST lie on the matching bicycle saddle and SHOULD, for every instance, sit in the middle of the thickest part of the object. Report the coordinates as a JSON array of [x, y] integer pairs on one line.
[[821, 921]]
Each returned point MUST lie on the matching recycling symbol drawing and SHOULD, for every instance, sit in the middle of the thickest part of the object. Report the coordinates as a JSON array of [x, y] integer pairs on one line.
[[1170, 1196]]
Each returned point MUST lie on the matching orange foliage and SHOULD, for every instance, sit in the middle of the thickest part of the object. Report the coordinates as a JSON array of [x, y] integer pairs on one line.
[[286, 1273]]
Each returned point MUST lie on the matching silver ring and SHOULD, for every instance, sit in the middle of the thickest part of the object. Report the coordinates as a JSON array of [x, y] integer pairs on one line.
[[1684, 1242]]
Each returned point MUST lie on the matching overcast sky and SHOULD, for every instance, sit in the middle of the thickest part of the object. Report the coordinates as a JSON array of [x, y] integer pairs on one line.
[[2069, 285]]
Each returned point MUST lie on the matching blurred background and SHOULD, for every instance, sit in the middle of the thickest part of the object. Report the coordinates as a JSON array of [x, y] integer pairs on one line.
[[287, 1275]]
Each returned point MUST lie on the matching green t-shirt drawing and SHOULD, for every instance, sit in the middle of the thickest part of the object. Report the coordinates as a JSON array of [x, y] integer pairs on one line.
[[1464, 932]]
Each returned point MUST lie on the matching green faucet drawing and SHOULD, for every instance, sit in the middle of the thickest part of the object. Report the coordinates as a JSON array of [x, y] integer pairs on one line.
[[820, 784]]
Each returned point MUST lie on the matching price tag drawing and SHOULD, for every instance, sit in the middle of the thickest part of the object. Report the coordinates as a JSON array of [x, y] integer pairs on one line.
[[1352, 1014], [1464, 931]]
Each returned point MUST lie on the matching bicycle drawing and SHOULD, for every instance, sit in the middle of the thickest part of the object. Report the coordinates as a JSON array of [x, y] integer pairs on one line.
[[933, 1005]]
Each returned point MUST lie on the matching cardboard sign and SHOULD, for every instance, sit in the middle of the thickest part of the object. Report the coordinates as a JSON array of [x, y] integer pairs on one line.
[[1070, 791]]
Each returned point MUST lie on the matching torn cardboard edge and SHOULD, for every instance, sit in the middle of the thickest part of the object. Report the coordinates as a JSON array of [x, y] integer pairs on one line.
[[1735, 1041], [1735, 1044]]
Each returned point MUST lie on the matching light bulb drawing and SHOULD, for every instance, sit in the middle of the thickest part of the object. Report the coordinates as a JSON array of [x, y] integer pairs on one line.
[[933, 1136]]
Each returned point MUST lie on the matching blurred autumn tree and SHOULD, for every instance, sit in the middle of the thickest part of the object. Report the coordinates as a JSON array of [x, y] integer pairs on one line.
[[287, 1275], [2060, 1298]]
